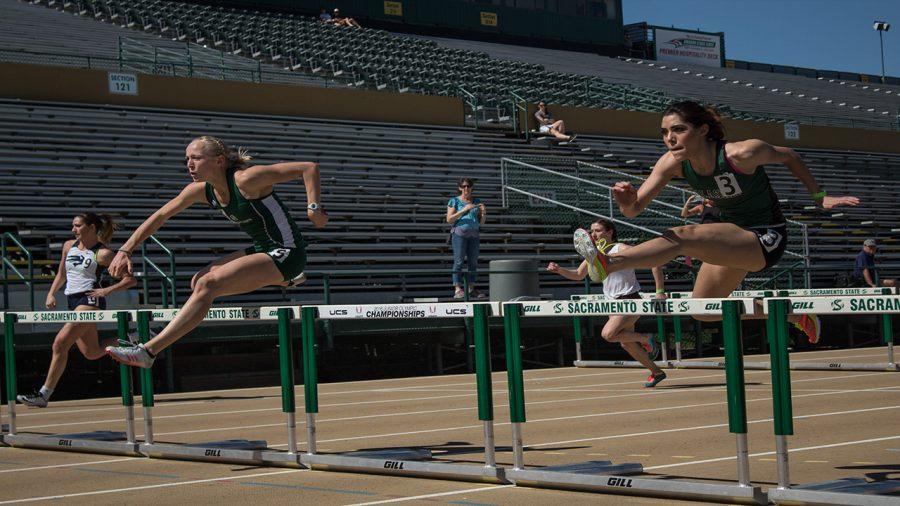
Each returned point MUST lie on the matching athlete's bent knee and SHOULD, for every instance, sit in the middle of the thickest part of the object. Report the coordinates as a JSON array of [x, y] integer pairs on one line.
[[209, 285], [610, 334]]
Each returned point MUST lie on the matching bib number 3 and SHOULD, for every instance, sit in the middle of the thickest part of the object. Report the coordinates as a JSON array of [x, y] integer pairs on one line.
[[728, 185]]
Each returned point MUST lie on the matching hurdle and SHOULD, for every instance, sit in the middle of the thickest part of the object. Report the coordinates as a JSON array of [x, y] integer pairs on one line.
[[678, 363], [104, 441], [603, 476], [402, 461], [238, 451], [848, 491]]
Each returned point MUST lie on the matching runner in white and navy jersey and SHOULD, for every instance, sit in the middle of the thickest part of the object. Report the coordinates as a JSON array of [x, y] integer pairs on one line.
[[246, 196], [81, 267]]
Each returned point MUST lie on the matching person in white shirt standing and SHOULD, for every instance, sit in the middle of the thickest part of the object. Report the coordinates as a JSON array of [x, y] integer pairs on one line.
[[81, 266], [619, 285]]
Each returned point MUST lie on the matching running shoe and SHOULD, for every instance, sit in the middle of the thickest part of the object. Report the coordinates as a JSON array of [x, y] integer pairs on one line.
[[135, 356], [811, 326], [34, 399], [654, 380], [588, 250], [133, 339], [297, 281], [651, 347], [459, 294]]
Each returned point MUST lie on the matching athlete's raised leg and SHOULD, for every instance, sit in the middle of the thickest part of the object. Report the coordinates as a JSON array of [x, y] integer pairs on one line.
[[722, 244]]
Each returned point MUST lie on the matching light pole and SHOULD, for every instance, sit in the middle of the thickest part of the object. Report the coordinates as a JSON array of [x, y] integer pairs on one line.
[[881, 27]]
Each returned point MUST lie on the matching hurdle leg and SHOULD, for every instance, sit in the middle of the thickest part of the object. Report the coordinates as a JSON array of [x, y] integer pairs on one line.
[[483, 381], [887, 336], [143, 318], [125, 380], [286, 363], [736, 391], [676, 327], [515, 383], [777, 331], [576, 320], [10, 352], [661, 338], [308, 317]]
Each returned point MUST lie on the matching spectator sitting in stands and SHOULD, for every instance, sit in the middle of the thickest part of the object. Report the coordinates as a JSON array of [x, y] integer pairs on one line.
[[864, 270], [548, 126], [339, 20], [708, 212], [324, 17]]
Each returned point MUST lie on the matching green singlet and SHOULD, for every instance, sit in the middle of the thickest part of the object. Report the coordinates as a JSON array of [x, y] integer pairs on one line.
[[747, 200], [268, 223]]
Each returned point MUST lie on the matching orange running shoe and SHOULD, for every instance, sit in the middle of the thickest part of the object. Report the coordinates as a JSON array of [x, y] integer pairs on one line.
[[811, 326]]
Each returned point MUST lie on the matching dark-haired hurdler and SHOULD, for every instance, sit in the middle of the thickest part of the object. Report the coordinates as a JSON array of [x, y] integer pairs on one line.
[[81, 267], [246, 195], [620, 285], [752, 234]]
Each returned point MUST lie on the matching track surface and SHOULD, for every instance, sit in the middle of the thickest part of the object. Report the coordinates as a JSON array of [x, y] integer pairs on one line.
[[845, 426]]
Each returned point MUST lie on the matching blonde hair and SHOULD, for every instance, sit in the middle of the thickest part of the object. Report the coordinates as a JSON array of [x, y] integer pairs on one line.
[[235, 158], [105, 224]]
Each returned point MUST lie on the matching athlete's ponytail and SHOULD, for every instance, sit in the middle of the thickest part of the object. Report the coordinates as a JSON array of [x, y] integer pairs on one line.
[[235, 158], [105, 224], [699, 115]]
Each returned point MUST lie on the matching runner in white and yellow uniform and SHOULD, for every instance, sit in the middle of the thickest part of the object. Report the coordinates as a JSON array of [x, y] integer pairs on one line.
[[619, 285], [246, 197]]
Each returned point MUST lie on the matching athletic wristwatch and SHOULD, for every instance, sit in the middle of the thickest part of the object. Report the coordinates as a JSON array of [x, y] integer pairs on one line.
[[313, 207]]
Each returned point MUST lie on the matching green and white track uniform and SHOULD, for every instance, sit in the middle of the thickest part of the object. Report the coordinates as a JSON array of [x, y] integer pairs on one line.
[[268, 223]]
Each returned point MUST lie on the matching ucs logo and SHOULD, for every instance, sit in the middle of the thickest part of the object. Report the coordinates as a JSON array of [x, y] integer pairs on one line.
[[837, 304], [337, 312]]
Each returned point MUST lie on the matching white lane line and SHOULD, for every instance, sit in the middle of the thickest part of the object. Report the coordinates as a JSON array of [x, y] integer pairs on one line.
[[148, 487], [76, 464], [428, 496], [703, 427], [791, 450]]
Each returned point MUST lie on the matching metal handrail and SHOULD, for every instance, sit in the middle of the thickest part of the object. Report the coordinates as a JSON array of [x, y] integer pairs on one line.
[[7, 264], [520, 104], [472, 101], [168, 280]]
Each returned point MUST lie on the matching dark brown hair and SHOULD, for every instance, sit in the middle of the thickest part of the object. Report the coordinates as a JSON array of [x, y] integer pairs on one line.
[[464, 180], [104, 223], [699, 115], [608, 225]]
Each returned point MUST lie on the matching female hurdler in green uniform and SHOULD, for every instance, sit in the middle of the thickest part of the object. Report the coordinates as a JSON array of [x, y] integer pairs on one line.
[[752, 235], [246, 196]]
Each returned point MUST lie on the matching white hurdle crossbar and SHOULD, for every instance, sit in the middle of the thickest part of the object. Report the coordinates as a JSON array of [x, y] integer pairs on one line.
[[827, 293]]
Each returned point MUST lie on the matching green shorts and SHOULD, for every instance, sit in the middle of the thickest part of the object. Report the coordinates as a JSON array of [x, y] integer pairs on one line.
[[290, 261]]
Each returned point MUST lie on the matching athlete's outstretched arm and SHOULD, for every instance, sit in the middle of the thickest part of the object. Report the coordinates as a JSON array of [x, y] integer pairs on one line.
[[754, 152], [574, 275], [259, 179], [632, 201], [191, 194]]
